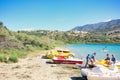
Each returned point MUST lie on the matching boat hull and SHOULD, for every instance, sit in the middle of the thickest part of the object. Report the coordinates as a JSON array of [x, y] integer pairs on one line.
[[67, 61], [96, 77], [100, 73]]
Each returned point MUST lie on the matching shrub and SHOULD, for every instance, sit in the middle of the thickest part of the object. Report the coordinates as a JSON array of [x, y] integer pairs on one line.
[[13, 58], [19, 53], [30, 48], [3, 58], [46, 48]]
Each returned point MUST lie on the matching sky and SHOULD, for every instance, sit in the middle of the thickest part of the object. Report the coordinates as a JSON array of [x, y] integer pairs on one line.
[[60, 15]]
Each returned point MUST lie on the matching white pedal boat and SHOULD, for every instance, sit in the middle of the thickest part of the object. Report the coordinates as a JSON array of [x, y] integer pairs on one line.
[[101, 73]]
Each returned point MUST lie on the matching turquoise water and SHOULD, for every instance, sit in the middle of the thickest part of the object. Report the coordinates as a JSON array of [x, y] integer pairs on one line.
[[81, 50]]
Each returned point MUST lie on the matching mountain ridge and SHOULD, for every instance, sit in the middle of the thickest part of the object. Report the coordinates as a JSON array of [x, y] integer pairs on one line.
[[101, 26]]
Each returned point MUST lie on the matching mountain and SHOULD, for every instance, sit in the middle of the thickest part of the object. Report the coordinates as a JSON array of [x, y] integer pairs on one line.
[[100, 27]]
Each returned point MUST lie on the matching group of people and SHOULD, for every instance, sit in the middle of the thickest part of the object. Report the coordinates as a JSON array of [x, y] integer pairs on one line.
[[91, 58], [110, 60]]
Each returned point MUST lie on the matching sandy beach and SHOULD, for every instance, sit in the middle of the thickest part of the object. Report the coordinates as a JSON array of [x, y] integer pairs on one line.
[[36, 67]]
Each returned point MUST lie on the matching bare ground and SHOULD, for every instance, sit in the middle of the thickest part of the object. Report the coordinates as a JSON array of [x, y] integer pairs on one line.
[[35, 67]]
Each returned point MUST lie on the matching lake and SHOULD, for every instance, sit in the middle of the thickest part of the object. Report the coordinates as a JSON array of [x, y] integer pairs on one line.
[[81, 50]]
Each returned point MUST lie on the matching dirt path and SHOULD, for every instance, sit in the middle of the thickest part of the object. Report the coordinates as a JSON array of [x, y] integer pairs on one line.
[[37, 68]]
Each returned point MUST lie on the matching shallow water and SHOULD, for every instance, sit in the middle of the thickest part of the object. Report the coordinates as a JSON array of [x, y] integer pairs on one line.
[[81, 50]]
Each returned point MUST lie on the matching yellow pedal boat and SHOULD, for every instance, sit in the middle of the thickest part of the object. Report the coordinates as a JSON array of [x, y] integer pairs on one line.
[[60, 52], [103, 62]]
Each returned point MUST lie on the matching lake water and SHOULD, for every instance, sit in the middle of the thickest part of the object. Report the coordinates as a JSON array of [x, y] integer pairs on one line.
[[81, 50]]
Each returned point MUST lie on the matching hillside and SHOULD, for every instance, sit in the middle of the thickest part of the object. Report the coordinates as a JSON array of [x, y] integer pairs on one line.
[[16, 40], [46, 39], [78, 36], [14, 45], [100, 27], [103, 32]]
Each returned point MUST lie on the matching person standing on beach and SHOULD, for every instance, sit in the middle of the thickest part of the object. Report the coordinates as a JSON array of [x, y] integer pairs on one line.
[[91, 58], [87, 60]]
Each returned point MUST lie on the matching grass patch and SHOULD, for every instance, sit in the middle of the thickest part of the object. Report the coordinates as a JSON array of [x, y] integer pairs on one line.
[[18, 53], [12, 55], [30, 48], [3, 58], [13, 58]]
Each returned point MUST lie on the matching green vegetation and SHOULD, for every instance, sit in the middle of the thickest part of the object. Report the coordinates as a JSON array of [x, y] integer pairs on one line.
[[12, 55], [3, 58], [78, 36], [14, 45], [13, 58]]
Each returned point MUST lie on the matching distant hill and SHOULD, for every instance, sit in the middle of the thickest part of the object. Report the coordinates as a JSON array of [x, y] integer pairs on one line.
[[100, 27], [46, 39], [18, 40], [103, 32]]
